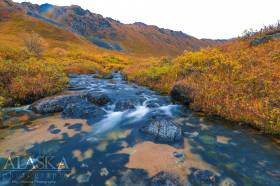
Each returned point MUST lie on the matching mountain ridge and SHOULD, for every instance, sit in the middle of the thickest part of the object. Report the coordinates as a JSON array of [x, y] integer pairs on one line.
[[135, 38]]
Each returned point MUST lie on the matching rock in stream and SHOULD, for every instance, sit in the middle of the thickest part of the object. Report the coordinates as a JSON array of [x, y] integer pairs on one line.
[[55, 103], [164, 130]]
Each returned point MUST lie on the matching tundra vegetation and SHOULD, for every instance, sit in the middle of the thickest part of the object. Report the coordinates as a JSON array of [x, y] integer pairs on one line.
[[34, 63], [238, 80]]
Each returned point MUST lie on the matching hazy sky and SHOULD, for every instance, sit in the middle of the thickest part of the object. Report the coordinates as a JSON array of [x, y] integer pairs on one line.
[[216, 19]]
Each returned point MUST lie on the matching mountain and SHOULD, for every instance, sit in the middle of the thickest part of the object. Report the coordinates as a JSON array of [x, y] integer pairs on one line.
[[35, 56], [137, 38], [15, 25]]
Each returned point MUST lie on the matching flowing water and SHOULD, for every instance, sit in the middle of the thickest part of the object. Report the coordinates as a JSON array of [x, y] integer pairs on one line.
[[112, 151]]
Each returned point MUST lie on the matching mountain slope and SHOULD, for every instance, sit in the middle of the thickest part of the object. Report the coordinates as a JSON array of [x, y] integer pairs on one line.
[[137, 38], [16, 25], [35, 56]]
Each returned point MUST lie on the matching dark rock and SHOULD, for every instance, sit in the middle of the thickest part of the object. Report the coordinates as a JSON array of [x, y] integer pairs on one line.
[[67, 124], [165, 179], [181, 94], [96, 76], [55, 131], [109, 76], [98, 98], [124, 77], [52, 127], [123, 105], [83, 110], [180, 156], [76, 127], [55, 103], [152, 104], [203, 178], [163, 130]]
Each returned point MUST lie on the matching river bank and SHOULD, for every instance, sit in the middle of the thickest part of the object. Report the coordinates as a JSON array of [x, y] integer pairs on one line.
[[107, 139]]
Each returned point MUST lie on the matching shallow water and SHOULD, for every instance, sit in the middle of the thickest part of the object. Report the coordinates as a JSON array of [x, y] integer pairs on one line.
[[112, 151]]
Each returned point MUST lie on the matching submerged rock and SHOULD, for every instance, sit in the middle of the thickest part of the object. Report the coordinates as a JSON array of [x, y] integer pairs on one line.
[[203, 178], [123, 105], [180, 156], [104, 172], [130, 177], [165, 179], [227, 182], [152, 104], [55, 103], [98, 98], [164, 130], [83, 110]]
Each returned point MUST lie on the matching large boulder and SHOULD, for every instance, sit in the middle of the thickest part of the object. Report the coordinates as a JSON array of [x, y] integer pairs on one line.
[[83, 110], [55, 103], [123, 105], [165, 179], [164, 130], [181, 94], [98, 98]]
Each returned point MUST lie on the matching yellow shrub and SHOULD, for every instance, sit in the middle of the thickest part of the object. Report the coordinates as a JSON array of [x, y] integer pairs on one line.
[[27, 81]]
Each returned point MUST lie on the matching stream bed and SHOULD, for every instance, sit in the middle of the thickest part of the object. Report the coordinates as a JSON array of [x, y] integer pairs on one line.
[[111, 149]]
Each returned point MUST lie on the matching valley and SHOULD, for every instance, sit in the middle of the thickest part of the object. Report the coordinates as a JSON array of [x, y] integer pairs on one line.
[[135, 104]]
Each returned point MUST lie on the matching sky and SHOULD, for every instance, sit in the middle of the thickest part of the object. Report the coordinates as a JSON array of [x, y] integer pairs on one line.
[[214, 19]]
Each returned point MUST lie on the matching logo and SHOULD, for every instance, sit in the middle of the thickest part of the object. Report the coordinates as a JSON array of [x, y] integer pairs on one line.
[[33, 170]]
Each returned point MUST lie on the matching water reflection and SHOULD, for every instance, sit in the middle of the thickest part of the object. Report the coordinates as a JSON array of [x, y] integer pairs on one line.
[[112, 151]]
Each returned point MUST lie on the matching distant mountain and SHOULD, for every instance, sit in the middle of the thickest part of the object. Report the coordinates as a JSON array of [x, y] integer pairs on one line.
[[137, 38], [15, 25]]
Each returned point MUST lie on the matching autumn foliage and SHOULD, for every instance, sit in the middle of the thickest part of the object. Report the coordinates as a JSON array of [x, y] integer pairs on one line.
[[237, 81], [35, 58]]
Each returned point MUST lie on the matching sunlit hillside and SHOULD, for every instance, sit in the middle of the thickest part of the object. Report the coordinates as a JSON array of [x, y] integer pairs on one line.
[[133, 39], [36, 55], [16, 26]]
